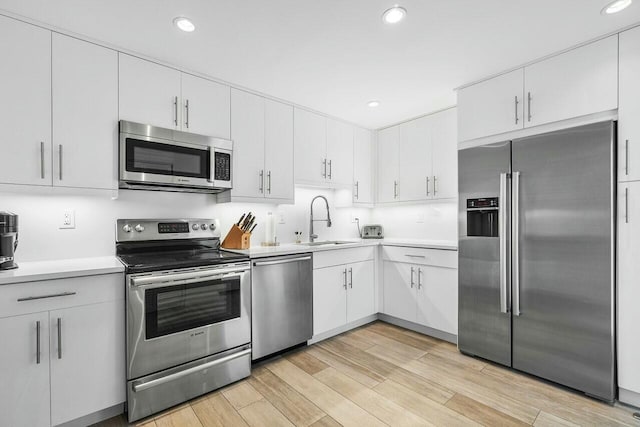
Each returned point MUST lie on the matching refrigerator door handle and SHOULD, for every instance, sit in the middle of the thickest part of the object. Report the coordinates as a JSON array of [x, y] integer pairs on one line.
[[502, 232], [515, 242]]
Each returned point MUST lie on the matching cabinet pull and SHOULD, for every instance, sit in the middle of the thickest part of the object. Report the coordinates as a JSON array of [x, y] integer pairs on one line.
[[261, 183], [60, 337], [626, 205], [344, 278], [37, 342], [529, 106], [427, 186], [412, 269], [330, 170], [357, 190], [351, 278], [63, 294], [324, 166], [186, 106], [60, 160], [269, 182], [395, 189], [41, 159], [516, 105], [175, 110], [435, 189], [626, 157], [419, 278]]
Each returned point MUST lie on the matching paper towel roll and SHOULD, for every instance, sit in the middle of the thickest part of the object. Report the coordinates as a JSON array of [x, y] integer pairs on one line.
[[270, 228]]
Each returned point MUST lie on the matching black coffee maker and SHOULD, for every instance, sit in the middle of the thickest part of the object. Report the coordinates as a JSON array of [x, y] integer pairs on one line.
[[8, 240]]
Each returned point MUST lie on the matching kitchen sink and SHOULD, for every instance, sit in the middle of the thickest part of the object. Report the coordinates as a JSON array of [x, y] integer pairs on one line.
[[326, 242]]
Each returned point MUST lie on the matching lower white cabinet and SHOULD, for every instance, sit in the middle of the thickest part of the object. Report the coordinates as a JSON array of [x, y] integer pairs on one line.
[[343, 288], [421, 286], [63, 351]]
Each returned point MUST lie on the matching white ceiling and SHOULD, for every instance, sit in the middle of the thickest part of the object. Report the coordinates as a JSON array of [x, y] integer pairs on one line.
[[334, 56]]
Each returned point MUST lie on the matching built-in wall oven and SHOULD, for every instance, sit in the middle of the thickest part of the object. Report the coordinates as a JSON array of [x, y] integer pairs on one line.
[[188, 313]]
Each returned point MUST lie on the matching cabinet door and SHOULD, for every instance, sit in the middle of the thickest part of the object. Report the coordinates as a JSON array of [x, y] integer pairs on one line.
[[85, 114], [278, 150], [24, 395], [628, 289], [329, 298], [573, 84], [444, 155], [363, 166], [415, 159], [310, 147], [361, 290], [438, 298], [87, 359], [25, 110], [388, 164], [491, 107], [206, 107], [339, 153], [247, 132], [399, 290], [629, 110], [149, 93]]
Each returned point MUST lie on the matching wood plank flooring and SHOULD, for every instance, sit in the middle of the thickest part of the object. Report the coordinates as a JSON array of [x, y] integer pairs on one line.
[[382, 375]]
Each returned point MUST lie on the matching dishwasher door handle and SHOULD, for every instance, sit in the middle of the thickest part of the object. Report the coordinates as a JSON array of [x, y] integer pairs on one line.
[[282, 261]]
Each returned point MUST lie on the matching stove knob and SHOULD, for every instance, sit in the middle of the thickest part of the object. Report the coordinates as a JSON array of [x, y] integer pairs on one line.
[[195, 227], [203, 226], [139, 228], [126, 228], [212, 227]]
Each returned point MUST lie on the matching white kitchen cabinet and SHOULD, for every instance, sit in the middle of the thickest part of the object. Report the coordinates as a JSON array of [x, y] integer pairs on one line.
[[149, 93], [339, 153], [25, 110], [629, 109], [363, 150], [573, 84], [628, 289], [85, 114], [415, 159], [329, 298], [205, 106], [437, 294], [310, 139], [24, 395], [444, 155], [87, 337], [278, 151], [491, 107], [388, 164], [398, 289], [361, 298]]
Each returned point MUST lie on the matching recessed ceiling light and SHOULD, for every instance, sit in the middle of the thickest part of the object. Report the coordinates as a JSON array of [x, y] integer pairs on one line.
[[615, 6], [184, 24], [394, 14], [373, 103]]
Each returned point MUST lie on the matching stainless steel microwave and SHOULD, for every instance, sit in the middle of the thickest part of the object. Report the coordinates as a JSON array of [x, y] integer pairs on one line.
[[153, 158]]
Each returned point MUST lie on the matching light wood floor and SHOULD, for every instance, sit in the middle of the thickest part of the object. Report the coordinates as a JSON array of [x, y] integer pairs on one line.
[[381, 375]]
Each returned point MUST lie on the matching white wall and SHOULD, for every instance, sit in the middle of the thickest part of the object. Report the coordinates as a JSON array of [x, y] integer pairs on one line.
[[437, 221], [94, 235]]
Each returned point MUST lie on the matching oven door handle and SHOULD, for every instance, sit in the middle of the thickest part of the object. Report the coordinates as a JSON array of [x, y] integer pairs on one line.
[[184, 278], [177, 375]]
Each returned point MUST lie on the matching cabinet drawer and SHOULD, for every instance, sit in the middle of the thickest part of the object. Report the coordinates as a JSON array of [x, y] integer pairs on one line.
[[60, 293], [435, 257], [342, 256]]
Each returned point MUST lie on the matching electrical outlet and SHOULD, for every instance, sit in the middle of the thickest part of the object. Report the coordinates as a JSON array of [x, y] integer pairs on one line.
[[420, 218], [281, 219], [354, 218], [68, 219]]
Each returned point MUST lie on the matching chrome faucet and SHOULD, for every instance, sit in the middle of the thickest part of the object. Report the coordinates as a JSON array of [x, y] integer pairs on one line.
[[312, 236]]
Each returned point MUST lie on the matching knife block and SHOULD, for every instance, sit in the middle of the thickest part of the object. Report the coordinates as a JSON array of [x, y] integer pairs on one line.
[[237, 239]]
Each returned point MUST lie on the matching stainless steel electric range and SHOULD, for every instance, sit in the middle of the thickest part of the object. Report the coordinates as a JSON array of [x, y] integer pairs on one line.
[[188, 312]]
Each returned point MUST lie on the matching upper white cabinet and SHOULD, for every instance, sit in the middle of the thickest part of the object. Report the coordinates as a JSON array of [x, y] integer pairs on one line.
[[444, 155], [576, 83], [25, 112], [416, 179], [573, 84], [363, 155], [262, 133], [323, 150], [388, 164], [161, 96], [85, 114], [491, 107], [629, 110]]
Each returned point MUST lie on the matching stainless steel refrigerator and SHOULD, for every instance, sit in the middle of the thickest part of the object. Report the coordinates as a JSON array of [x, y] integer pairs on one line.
[[537, 256]]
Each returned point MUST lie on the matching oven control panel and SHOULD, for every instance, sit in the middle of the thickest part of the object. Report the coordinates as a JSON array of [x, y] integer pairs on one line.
[[128, 230]]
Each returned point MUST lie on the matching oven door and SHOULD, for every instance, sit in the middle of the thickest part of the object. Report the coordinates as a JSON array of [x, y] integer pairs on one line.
[[154, 161], [179, 316]]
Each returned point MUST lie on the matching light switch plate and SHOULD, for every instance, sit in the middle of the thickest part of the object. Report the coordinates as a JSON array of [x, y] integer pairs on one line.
[[68, 219]]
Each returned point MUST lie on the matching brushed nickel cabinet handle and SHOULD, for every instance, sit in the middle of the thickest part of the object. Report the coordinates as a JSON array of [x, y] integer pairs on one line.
[[175, 110], [41, 159], [516, 105], [330, 170], [261, 184], [344, 278], [38, 342], [269, 182], [419, 278], [351, 277], [324, 165], [357, 190], [186, 108], [62, 294], [395, 189], [412, 283], [435, 189], [60, 160], [428, 186], [529, 106], [59, 338]]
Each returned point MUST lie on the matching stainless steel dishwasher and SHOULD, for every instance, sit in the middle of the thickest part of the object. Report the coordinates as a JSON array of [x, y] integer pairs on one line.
[[281, 303]]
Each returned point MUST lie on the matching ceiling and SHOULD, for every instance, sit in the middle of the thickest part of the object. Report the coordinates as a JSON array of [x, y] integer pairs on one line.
[[334, 56]]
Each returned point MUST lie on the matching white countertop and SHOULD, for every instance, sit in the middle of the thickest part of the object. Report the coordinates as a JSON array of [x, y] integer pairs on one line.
[[58, 269], [298, 248]]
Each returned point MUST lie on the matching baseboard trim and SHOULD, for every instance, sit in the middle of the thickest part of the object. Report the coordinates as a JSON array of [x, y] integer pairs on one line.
[[337, 331], [425, 330], [629, 397], [96, 417]]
